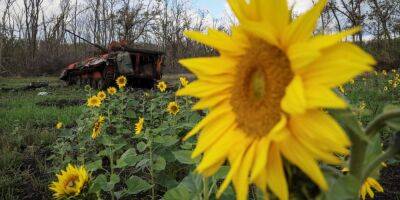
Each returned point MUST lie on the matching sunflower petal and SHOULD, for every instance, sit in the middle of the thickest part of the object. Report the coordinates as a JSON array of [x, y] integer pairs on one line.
[[216, 39], [202, 89], [294, 101], [344, 61], [324, 41], [209, 65], [210, 117], [274, 13], [241, 181], [322, 97], [302, 28], [219, 151], [212, 132], [262, 157], [296, 154], [275, 174], [302, 54], [235, 164]]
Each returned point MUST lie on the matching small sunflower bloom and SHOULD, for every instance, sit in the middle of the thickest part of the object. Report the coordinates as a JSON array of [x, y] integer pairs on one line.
[[112, 90], [173, 108], [266, 96], [96, 130], [94, 101], [69, 182], [162, 86], [101, 95], [121, 81], [352, 81], [59, 125], [139, 126], [366, 188], [97, 127], [376, 73], [385, 88], [384, 72], [184, 81]]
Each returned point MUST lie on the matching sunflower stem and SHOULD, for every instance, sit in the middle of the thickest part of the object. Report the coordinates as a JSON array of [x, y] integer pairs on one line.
[[205, 188], [392, 151], [379, 122]]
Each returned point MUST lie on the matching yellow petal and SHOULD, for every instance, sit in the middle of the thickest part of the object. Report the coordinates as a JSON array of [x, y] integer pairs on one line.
[[337, 65], [274, 13], [216, 39], [213, 169], [302, 54], [235, 165], [262, 156], [324, 41], [211, 101], [262, 31], [296, 154], [375, 184], [322, 97], [209, 65], [321, 129], [241, 181], [212, 132], [276, 175], [210, 117], [294, 101], [203, 89], [219, 151], [302, 28]]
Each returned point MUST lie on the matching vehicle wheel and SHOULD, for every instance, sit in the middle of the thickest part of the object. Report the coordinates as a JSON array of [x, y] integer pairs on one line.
[[109, 76], [100, 84]]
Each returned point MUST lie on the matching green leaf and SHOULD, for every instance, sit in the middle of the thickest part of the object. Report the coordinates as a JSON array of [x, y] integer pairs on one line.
[[159, 163], [114, 179], [128, 158], [177, 193], [222, 172], [136, 185], [374, 149], [166, 140], [98, 183], [93, 166], [141, 146], [184, 156], [143, 162], [106, 140], [346, 187], [193, 182]]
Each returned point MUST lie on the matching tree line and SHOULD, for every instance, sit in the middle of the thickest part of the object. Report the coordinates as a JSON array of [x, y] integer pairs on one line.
[[33, 40]]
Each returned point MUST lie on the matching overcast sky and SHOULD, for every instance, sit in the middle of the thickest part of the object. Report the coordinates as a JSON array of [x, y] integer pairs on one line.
[[217, 7]]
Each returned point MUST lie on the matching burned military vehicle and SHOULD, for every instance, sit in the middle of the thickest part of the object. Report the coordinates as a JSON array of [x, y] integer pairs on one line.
[[141, 67]]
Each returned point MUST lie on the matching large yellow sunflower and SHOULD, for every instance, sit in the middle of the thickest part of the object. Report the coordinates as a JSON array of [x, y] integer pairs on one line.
[[265, 93], [366, 188], [69, 182]]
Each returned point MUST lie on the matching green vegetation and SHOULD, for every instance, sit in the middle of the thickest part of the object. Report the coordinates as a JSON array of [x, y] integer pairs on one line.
[[152, 164]]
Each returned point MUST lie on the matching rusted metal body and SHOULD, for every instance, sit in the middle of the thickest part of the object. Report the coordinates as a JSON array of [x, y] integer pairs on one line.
[[141, 67]]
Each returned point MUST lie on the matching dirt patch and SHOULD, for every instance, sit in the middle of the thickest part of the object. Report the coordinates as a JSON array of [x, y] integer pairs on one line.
[[390, 181], [61, 103]]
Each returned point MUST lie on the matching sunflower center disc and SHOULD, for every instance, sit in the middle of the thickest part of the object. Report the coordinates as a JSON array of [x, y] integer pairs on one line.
[[262, 77]]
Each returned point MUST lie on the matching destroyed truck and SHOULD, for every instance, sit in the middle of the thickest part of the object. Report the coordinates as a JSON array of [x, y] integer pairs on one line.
[[142, 67]]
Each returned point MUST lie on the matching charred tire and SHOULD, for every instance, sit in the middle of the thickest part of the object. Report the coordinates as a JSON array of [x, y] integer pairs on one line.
[[109, 76]]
